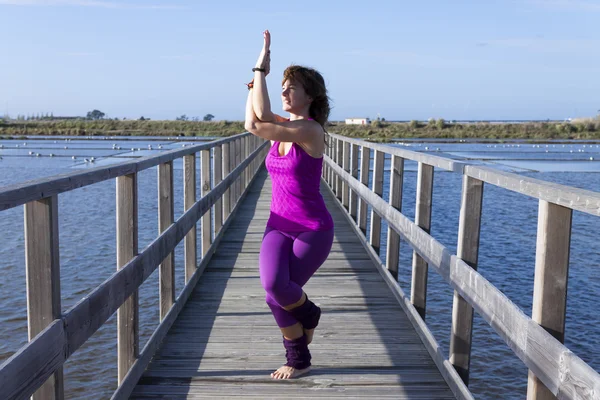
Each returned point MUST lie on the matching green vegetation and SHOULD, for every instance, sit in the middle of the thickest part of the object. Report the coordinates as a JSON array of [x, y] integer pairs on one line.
[[379, 130]]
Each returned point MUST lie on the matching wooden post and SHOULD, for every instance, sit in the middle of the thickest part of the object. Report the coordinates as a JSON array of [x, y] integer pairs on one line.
[[346, 167], [375, 236], [393, 238], [418, 292], [330, 153], [238, 160], [165, 219], [246, 154], [467, 250], [217, 178], [189, 198], [127, 248], [551, 276], [354, 171], [42, 267], [206, 218], [365, 166], [338, 160], [231, 168], [225, 172]]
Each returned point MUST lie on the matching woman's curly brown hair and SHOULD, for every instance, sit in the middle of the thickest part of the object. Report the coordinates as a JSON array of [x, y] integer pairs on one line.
[[314, 85]]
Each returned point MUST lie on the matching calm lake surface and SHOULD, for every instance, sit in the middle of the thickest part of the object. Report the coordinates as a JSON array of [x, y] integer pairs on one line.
[[506, 256]]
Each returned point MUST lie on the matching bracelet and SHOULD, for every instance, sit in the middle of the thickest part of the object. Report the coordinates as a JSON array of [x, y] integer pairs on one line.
[[258, 69]]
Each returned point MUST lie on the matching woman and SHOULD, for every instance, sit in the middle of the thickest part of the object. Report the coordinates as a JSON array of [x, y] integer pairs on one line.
[[299, 232]]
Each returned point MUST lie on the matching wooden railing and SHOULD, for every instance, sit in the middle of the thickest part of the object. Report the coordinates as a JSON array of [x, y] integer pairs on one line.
[[54, 337], [537, 341]]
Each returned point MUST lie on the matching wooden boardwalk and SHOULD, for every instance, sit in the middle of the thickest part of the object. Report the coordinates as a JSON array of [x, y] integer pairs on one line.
[[225, 342]]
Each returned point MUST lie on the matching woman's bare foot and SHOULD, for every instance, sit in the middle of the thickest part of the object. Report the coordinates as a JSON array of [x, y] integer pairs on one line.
[[309, 335], [286, 372]]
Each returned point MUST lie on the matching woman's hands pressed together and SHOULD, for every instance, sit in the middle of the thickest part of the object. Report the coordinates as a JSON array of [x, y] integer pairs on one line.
[[264, 58]]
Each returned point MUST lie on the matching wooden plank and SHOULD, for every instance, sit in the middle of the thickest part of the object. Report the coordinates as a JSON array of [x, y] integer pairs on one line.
[[418, 291], [354, 173], [166, 216], [205, 222], [33, 364], [551, 278], [203, 350], [217, 178], [469, 226], [560, 370], [189, 198], [393, 239], [24, 192], [365, 166], [127, 248], [92, 311], [128, 384], [574, 198], [375, 231], [42, 266]]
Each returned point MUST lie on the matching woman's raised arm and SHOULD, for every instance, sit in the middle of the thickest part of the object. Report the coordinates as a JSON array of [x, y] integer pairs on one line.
[[260, 97]]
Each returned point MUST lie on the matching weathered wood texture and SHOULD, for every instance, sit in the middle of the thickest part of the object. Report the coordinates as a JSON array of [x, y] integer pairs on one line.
[[166, 215], [127, 248], [205, 222], [375, 231], [42, 268], [393, 239], [189, 198], [21, 193], [225, 342], [565, 374], [551, 277], [418, 291], [29, 367], [468, 250]]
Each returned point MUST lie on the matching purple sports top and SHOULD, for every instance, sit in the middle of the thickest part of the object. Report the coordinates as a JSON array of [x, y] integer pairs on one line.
[[296, 203]]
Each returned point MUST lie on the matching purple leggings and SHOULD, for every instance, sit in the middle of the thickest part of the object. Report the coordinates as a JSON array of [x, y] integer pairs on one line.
[[287, 261]]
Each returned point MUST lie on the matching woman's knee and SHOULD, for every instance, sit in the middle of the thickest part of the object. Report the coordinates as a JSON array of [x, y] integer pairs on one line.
[[274, 287]]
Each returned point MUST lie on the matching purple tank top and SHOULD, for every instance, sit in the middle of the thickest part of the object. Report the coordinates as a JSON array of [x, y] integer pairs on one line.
[[296, 203]]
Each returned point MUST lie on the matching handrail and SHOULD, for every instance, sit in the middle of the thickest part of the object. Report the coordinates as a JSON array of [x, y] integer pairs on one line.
[[29, 369], [21, 193], [582, 200], [554, 369]]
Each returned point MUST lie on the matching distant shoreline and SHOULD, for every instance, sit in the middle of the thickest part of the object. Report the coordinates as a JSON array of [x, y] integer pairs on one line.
[[381, 131]]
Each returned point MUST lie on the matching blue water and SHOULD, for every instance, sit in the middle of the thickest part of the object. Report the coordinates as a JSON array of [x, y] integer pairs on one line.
[[506, 256]]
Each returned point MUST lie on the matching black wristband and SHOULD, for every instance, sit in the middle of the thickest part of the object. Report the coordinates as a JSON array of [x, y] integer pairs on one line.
[[258, 69]]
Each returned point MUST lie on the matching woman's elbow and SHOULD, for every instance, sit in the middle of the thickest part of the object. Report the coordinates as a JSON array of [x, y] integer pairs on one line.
[[250, 126], [265, 116]]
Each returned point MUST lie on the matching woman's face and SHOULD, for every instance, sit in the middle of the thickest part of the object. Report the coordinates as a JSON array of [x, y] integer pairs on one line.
[[294, 97]]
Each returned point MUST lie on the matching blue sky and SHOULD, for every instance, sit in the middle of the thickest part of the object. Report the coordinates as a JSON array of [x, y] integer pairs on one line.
[[404, 60]]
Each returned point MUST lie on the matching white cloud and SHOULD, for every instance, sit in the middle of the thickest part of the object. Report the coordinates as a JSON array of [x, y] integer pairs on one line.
[[88, 3]]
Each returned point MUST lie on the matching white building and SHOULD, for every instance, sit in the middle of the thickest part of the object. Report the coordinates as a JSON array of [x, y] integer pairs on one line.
[[357, 121]]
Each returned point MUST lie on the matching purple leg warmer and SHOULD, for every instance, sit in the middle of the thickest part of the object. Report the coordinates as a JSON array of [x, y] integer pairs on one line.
[[308, 314], [297, 353]]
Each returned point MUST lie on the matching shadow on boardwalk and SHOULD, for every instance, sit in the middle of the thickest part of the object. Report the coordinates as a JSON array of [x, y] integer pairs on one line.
[[225, 343]]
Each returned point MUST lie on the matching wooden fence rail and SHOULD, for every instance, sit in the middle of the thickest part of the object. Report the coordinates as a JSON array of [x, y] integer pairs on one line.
[[55, 337], [555, 372]]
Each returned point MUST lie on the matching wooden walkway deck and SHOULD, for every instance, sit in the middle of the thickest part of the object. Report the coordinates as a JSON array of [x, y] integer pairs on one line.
[[225, 342]]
